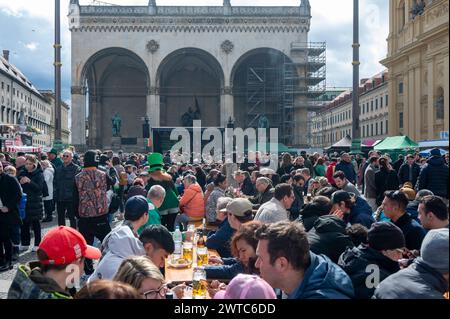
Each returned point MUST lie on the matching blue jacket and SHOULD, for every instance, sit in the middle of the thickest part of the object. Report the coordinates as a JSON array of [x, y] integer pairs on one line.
[[349, 171], [412, 230], [324, 280], [361, 213], [412, 210], [231, 268], [434, 176], [220, 239]]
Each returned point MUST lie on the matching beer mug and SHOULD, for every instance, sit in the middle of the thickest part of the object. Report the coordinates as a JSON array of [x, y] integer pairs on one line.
[[202, 256], [188, 251], [199, 283]]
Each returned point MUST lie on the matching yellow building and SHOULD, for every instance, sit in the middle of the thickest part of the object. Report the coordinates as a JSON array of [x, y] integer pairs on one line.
[[418, 66]]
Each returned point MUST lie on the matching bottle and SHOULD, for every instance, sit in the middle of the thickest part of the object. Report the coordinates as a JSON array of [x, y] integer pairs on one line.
[[178, 240], [169, 294], [202, 251]]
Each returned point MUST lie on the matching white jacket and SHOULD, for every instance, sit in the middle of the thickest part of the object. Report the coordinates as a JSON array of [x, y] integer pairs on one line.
[[271, 212], [119, 244], [49, 173]]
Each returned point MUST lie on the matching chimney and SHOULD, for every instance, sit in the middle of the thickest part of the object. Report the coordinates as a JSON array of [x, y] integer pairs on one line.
[[6, 55]]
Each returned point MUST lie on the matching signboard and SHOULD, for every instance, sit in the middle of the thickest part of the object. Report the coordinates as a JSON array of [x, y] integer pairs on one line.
[[443, 135], [27, 140]]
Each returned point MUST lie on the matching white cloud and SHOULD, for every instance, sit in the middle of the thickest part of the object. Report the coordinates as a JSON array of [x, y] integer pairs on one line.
[[32, 46]]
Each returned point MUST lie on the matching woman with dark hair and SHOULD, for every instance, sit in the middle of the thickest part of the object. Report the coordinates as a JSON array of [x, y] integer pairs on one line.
[[286, 165], [220, 185], [201, 176], [319, 167], [243, 248], [386, 179], [123, 180]]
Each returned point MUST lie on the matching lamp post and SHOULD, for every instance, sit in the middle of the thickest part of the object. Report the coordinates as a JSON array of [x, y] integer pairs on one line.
[[356, 132], [57, 64]]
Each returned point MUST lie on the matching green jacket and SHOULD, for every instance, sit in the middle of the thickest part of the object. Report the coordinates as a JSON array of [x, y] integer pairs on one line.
[[171, 199], [57, 162], [319, 170], [153, 217], [30, 283]]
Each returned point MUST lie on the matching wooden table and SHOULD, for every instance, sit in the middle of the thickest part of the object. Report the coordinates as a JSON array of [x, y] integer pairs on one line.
[[199, 224], [177, 275]]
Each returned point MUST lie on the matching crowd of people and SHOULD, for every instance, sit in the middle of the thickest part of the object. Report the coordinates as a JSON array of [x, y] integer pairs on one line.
[[319, 227]]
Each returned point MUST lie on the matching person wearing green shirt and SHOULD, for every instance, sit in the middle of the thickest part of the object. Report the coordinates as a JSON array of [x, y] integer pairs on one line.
[[155, 198], [54, 159], [320, 168]]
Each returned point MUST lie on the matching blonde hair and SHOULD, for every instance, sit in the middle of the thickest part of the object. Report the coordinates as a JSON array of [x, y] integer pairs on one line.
[[134, 270], [45, 163], [11, 170]]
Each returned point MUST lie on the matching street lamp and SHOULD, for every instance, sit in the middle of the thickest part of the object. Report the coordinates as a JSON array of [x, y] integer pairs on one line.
[[356, 132]]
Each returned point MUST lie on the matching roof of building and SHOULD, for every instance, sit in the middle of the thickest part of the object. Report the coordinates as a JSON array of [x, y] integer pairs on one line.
[[12, 71]]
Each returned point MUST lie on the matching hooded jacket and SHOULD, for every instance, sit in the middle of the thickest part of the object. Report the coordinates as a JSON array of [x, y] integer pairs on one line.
[[328, 237], [323, 280], [119, 244], [192, 202], [30, 283], [434, 176], [355, 260], [418, 281], [310, 213]]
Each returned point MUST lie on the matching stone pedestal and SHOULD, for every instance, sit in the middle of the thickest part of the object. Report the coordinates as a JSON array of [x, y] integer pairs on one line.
[[116, 143]]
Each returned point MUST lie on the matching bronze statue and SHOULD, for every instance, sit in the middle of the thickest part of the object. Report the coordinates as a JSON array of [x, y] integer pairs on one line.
[[116, 125]]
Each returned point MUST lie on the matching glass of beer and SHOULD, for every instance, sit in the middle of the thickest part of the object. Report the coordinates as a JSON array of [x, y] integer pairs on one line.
[[188, 251], [202, 256], [199, 283]]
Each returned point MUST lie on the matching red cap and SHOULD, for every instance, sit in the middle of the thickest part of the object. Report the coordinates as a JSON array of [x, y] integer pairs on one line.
[[64, 245]]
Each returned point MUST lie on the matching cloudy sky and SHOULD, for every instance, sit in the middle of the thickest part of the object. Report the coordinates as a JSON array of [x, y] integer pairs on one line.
[[27, 31]]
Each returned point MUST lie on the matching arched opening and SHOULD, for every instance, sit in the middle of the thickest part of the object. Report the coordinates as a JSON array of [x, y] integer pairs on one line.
[[189, 83], [117, 82], [263, 90], [439, 104]]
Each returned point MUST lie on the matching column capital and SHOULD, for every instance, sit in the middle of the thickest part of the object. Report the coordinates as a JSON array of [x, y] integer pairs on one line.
[[79, 90]]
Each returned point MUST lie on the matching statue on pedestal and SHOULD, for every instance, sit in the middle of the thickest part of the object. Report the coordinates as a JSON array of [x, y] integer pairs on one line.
[[116, 125]]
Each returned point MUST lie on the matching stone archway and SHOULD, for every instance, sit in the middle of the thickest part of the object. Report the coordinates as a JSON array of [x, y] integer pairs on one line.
[[117, 81], [188, 78]]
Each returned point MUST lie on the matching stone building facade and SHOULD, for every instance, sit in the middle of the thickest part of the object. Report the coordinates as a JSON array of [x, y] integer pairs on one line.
[[418, 63], [159, 61]]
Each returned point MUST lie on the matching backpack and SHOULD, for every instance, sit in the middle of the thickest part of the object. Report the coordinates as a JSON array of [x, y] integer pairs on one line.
[[21, 206]]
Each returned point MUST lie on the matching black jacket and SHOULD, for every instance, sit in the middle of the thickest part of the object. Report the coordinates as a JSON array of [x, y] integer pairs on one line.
[[10, 194], [385, 180], [434, 177], [34, 208], [298, 203], [412, 230], [248, 188], [355, 260], [285, 170], [328, 237], [397, 164], [418, 281], [403, 174], [310, 213], [64, 182]]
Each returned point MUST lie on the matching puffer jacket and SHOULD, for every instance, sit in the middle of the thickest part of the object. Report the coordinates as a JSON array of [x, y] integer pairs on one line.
[[328, 237], [418, 281], [192, 202], [434, 177], [323, 279], [34, 208], [355, 260], [30, 283], [49, 174], [10, 196], [64, 182]]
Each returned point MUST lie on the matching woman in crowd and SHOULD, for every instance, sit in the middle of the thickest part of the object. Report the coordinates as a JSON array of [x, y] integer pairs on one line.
[[32, 182], [286, 164], [385, 179], [49, 207], [220, 185], [243, 248], [107, 289], [137, 189], [320, 168]]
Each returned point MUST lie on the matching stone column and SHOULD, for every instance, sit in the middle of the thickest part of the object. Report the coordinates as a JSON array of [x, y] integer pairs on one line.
[[446, 93], [78, 115], [430, 128], [226, 105], [417, 107], [406, 104], [409, 111], [392, 108], [153, 107]]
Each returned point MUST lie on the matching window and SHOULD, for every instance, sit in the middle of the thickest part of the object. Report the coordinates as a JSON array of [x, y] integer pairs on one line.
[[7, 88], [371, 106], [3, 85], [371, 129], [439, 104], [386, 100], [381, 128], [381, 102], [400, 88], [376, 104], [400, 120], [376, 128]]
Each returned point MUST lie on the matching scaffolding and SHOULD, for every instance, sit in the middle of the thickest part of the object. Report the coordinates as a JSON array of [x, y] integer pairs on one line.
[[276, 92]]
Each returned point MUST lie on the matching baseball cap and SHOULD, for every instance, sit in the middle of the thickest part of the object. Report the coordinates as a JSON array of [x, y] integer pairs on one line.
[[385, 236], [247, 287], [64, 245], [238, 207], [135, 207]]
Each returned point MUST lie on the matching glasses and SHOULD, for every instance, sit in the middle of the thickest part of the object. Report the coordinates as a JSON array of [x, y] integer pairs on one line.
[[66, 156], [161, 291]]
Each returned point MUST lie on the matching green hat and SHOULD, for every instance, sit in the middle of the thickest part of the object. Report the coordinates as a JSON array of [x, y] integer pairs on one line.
[[53, 151], [155, 162]]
